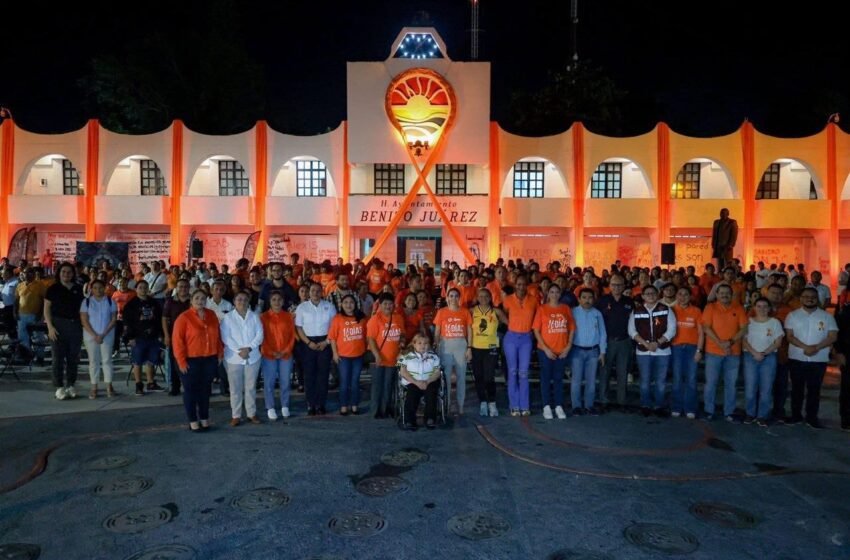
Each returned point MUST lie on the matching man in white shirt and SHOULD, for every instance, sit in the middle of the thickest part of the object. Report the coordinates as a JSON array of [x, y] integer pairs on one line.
[[158, 281], [811, 333], [762, 275], [220, 306], [313, 321], [824, 295]]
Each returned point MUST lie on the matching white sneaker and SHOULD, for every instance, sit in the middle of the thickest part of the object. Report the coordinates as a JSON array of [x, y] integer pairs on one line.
[[61, 394], [547, 412], [691, 415], [675, 414], [493, 410], [284, 412], [71, 392], [482, 410], [272, 415], [559, 412]]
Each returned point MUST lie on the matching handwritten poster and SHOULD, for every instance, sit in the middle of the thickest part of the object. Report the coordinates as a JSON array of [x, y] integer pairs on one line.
[[144, 247], [545, 249], [63, 245], [223, 248], [316, 248]]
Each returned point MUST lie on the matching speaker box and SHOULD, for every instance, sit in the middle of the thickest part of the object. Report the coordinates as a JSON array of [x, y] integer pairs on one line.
[[197, 249], [668, 253]]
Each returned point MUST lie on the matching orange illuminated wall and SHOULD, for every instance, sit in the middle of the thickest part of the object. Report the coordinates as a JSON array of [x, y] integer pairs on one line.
[[7, 172]]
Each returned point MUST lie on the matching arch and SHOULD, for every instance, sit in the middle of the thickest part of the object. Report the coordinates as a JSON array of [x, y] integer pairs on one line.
[[125, 176], [554, 182], [204, 180], [285, 178], [788, 179], [715, 180], [43, 175], [633, 182]]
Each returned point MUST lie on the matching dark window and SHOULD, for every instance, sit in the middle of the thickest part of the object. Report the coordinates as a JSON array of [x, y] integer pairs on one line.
[[232, 179], [451, 178], [813, 193], [311, 178], [769, 185], [607, 181], [687, 181], [70, 178], [152, 181], [528, 179], [389, 178]]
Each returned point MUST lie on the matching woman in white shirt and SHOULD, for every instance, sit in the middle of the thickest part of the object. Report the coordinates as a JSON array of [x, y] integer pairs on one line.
[[420, 373], [764, 336], [242, 335], [99, 314]]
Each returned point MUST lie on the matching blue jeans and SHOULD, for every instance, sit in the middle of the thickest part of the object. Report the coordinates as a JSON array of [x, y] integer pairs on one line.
[[276, 370], [518, 357], [653, 368], [715, 366], [25, 319], [583, 364], [349, 380], [758, 384], [684, 378], [552, 379]]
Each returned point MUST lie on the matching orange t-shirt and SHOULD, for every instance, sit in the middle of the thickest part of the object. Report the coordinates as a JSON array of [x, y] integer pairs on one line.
[[453, 324], [707, 282], [387, 336], [121, 298], [377, 279], [520, 313], [495, 292], [687, 325], [428, 314], [349, 335], [278, 334], [555, 325], [412, 324], [468, 295], [725, 322]]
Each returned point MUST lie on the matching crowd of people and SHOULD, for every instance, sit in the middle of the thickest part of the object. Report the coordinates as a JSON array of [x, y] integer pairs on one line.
[[302, 326]]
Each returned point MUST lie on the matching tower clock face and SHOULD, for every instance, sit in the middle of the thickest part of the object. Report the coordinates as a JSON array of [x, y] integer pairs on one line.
[[418, 45]]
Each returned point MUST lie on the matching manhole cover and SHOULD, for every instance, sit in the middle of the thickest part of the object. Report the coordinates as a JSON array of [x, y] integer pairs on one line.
[[404, 458], [478, 526], [260, 500], [573, 554], [110, 462], [723, 515], [661, 538], [19, 551], [166, 552], [380, 486], [124, 486], [357, 524], [139, 520]]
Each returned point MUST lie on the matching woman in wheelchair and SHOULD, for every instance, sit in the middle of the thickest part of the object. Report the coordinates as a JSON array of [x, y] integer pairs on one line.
[[420, 375]]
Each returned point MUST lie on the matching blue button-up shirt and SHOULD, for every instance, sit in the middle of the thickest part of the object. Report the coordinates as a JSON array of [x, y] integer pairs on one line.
[[8, 292], [590, 328]]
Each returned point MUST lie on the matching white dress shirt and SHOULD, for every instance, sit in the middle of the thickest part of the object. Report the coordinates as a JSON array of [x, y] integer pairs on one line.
[[238, 332], [810, 328], [315, 320], [220, 309]]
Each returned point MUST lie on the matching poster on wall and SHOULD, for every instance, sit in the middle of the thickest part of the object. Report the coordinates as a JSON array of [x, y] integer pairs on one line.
[[93, 253], [316, 248], [63, 245], [144, 247], [778, 250], [543, 249], [693, 252], [223, 248], [418, 251]]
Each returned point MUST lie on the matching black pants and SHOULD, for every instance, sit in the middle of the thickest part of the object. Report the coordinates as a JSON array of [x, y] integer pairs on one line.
[[119, 330], [844, 395], [317, 365], [484, 361], [66, 351], [411, 401], [8, 323], [806, 381], [780, 390], [196, 386], [175, 371]]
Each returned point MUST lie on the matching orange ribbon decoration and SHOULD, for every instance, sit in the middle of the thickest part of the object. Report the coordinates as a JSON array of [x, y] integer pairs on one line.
[[421, 106]]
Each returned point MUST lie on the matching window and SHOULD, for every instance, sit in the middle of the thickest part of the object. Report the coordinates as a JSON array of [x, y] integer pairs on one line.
[[152, 180], [451, 178], [232, 179], [311, 178], [389, 178], [70, 179], [687, 181], [769, 185], [528, 179], [813, 193], [607, 181]]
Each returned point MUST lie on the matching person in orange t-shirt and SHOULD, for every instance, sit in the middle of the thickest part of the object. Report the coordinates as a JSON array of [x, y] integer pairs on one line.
[[520, 308], [377, 278], [196, 341], [724, 323], [121, 296], [497, 286], [686, 353], [554, 328], [278, 342], [452, 328], [467, 290], [348, 344], [412, 317], [385, 335]]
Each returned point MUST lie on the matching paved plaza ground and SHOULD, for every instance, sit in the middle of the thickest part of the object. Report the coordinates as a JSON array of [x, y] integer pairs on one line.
[[125, 478]]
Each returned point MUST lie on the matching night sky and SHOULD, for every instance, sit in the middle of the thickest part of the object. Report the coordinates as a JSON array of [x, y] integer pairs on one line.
[[701, 67]]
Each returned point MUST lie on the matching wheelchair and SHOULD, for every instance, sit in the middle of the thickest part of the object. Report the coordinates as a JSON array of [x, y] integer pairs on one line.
[[442, 403]]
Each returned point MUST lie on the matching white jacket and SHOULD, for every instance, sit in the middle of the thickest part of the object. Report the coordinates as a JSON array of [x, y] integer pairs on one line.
[[237, 333]]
